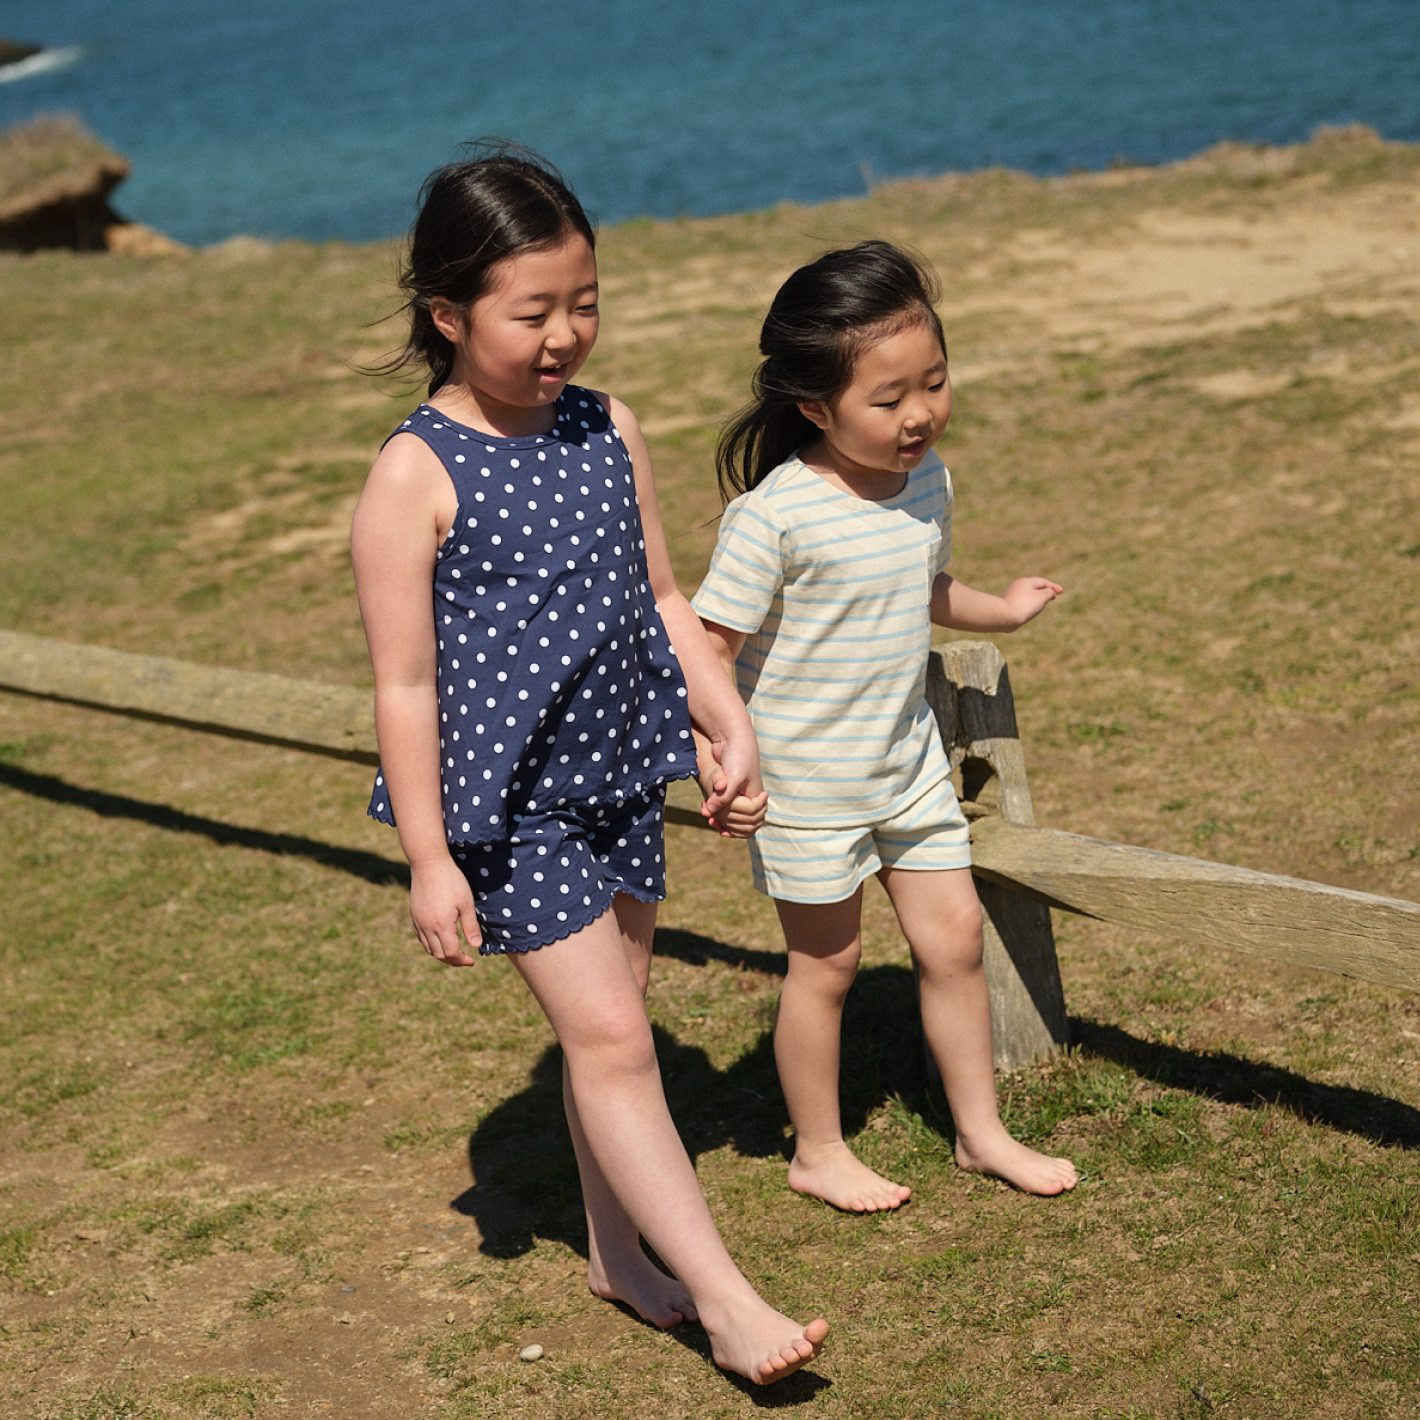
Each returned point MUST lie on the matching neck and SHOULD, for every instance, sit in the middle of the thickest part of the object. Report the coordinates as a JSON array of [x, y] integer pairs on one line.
[[858, 481], [479, 410]]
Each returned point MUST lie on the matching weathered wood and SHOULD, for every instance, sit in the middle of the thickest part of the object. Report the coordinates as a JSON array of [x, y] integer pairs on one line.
[[1286, 919], [1021, 870], [1028, 1017], [969, 690], [336, 720]]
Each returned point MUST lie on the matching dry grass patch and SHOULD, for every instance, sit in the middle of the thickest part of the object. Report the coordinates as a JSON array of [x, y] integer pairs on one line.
[[257, 1151]]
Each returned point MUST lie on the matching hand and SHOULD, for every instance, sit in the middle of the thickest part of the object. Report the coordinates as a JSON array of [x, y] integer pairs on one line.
[[1027, 597], [735, 800], [742, 817], [440, 902]]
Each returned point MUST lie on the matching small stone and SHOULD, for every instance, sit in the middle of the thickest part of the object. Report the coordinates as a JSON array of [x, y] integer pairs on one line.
[[449, 1318], [531, 1353]]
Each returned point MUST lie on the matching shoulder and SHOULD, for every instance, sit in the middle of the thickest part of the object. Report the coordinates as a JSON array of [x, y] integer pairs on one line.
[[408, 477], [608, 404], [407, 460], [784, 488], [934, 479], [934, 469], [761, 507], [623, 421]]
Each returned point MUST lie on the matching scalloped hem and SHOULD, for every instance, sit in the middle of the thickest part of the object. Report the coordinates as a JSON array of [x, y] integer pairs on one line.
[[568, 928]]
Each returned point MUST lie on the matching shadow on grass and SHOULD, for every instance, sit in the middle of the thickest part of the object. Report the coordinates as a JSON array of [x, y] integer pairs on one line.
[[695, 950], [525, 1173], [369, 866], [1232, 1079]]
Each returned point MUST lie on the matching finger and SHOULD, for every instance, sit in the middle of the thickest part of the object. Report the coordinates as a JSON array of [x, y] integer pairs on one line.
[[716, 803], [452, 953], [473, 933]]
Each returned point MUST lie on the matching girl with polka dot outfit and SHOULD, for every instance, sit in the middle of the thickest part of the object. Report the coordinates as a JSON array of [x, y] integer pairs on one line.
[[531, 711]]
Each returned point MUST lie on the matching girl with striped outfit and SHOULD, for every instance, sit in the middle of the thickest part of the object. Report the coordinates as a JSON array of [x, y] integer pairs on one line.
[[829, 573]]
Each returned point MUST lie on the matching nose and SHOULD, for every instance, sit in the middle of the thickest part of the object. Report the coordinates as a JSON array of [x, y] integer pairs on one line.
[[917, 415], [559, 336]]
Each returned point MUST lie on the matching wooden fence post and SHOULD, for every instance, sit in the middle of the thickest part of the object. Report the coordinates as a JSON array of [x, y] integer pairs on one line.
[[969, 690]]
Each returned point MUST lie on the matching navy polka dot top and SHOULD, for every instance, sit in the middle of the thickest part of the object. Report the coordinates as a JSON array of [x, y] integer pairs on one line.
[[557, 682]]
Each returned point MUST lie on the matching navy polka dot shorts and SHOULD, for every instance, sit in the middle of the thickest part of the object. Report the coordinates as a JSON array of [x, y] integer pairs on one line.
[[561, 869]]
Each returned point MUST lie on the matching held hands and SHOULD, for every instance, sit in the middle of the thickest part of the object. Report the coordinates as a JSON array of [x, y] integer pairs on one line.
[[440, 902], [729, 779], [1027, 597]]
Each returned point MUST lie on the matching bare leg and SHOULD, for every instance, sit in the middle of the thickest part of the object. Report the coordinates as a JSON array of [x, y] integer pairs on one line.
[[617, 1269], [824, 947], [941, 919], [590, 993]]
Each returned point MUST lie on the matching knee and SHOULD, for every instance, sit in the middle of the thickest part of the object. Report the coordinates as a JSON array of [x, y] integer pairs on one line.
[[965, 923], [830, 975], [613, 1042], [957, 943]]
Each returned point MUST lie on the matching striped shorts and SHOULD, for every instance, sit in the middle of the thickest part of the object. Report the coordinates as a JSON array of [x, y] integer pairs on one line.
[[829, 864]]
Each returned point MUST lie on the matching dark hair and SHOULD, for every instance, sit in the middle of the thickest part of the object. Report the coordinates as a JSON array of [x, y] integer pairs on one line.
[[497, 201], [824, 315]]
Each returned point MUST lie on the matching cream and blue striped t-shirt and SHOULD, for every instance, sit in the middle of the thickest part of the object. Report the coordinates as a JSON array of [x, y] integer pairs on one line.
[[834, 595]]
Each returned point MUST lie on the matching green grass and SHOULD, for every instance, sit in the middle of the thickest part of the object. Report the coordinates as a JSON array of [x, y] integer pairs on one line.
[[257, 1147]]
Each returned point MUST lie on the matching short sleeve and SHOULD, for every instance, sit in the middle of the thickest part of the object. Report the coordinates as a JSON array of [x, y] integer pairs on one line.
[[944, 550], [747, 569]]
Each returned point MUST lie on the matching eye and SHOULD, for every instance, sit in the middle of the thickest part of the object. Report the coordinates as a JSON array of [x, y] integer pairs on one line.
[[941, 384], [590, 309], [888, 404]]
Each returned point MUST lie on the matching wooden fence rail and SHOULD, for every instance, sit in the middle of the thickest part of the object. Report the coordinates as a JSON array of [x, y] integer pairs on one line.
[[1022, 870], [335, 720]]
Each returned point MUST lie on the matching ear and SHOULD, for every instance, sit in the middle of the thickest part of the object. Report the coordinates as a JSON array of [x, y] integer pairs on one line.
[[448, 319], [816, 412]]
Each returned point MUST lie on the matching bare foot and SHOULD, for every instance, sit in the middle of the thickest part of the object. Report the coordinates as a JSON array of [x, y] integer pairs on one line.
[[637, 1281], [835, 1175], [763, 1345], [1029, 1171]]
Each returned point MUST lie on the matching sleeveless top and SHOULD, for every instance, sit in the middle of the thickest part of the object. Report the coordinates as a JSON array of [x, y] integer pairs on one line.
[[557, 682]]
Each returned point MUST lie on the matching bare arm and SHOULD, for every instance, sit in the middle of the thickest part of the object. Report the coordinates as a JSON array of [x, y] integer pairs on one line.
[[744, 815], [715, 706], [404, 513], [963, 608]]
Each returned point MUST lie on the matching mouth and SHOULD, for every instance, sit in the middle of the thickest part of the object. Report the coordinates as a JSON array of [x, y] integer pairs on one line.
[[914, 450], [551, 374]]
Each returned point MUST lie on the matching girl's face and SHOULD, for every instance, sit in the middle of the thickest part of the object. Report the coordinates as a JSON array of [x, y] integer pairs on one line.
[[519, 343], [894, 409]]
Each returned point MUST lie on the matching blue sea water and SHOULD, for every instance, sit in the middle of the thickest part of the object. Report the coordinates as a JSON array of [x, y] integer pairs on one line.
[[319, 119]]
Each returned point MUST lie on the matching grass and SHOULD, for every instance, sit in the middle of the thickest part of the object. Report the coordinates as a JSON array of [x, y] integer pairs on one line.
[[257, 1150], [34, 152]]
